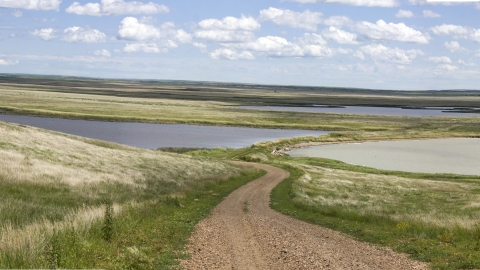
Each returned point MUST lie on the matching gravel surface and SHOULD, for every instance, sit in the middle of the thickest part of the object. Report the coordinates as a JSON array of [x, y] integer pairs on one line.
[[261, 238]]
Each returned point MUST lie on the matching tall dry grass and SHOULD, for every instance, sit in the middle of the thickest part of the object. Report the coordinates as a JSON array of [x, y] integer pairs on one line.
[[446, 204], [50, 181]]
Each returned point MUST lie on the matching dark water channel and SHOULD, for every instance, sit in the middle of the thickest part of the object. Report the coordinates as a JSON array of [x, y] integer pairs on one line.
[[391, 111], [152, 136]]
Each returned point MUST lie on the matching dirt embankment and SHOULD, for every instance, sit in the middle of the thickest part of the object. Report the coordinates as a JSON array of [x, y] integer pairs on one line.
[[244, 233]]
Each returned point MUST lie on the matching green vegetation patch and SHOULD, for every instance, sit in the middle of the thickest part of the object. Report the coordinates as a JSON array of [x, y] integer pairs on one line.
[[146, 235], [432, 220]]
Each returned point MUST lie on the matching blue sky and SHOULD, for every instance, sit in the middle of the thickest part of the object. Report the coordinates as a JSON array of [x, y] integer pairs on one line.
[[381, 44]]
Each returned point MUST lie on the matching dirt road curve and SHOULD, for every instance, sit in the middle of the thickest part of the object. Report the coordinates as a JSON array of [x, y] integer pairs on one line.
[[261, 238]]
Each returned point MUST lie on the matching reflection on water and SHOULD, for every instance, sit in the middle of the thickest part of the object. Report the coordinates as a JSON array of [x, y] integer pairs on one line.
[[458, 155], [152, 136], [411, 111]]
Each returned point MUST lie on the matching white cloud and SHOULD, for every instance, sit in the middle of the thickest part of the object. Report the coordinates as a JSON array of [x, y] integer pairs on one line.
[[79, 34], [311, 39], [230, 24], [359, 54], [181, 36], [229, 29], [445, 67], [450, 29], [151, 39], [368, 3], [229, 54], [464, 63], [104, 53], [265, 44], [378, 52], [475, 36], [306, 20], [440, 59], [337, 21], [131, 29], [440, 2], [199, 45], [364, 68], [45, 33], [17, 13], [458, 32], [143, 47], [150, 47], [339, 35], [8, 62], [310, 45], [343, 51], [404, 14], [74, 59], [31, 4], [391, 31], [430, 14], [454, 46], [225, 36], [116, 7]]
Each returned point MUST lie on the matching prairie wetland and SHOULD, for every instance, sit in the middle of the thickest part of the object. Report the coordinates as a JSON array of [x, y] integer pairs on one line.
[[453, 155], [69, 199]]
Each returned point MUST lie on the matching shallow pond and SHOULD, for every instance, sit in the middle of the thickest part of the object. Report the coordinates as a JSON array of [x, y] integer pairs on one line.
[[391, 111], [458, 155], [152, 136]]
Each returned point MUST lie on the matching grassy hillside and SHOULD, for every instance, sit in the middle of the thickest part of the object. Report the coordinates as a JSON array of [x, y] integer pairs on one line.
[[56, 186]]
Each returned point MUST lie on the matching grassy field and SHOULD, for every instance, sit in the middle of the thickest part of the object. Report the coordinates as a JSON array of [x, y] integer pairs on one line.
[[30, 101], [56, 190], [435, 221], [242, 94]]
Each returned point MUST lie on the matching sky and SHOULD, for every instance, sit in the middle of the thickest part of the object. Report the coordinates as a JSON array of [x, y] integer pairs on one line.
[[379, 44]]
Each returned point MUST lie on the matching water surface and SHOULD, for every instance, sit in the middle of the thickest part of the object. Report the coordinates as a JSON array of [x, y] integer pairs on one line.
[[459, 155], [152, 136], [391, 111]]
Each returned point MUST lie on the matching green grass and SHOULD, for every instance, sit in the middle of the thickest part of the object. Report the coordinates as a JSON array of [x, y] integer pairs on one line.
[[148, 235], [54, 188], [433, 221]]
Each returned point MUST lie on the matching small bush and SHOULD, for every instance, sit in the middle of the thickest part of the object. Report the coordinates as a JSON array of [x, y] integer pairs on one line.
[[107, 228]]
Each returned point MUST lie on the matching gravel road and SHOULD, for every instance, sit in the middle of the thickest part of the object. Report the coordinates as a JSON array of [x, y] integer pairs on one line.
[[261, 238]]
